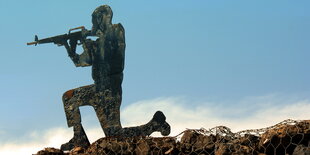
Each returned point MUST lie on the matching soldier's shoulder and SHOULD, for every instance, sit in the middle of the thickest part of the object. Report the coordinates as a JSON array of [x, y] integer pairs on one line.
[[119, 27]]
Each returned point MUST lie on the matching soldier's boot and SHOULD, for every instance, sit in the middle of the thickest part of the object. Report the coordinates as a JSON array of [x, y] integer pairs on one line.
[[79, 139], [159, 123]]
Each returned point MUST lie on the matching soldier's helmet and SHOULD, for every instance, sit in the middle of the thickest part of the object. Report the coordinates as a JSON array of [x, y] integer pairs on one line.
[[102, 15]]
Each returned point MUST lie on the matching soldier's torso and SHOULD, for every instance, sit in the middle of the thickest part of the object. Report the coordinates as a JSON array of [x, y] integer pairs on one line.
[[108, 61]]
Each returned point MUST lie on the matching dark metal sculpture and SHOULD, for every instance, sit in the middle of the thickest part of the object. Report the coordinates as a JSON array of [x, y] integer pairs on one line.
[[106, 56]]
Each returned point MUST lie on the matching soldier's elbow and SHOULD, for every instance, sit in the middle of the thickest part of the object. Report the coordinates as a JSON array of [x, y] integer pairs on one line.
[[82, 65], [77, 64]]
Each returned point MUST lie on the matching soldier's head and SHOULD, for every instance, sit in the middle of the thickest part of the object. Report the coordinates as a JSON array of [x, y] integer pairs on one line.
[[101, 18]]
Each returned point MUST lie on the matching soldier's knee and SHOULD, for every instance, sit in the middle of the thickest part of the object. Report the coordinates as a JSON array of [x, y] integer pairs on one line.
[[67, 95]]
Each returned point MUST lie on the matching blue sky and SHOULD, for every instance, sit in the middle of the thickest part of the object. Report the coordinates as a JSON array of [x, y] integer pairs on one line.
[[194, 54]]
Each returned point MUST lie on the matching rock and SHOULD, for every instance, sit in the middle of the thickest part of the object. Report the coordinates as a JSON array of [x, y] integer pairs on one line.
[[301, 150], [142, 147], [283, 138], [50, 151], [77, 150], [233, 149], [192, 141], [163, 145], [112, 146], [138, 145], [245, 145]]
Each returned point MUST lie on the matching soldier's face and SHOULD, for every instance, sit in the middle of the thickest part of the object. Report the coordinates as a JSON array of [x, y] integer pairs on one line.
[[101, 21], [106, 18]]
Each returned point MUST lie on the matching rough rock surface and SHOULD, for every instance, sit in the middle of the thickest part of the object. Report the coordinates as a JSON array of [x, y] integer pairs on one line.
[[292, 138], [284, 138], [301, 150]]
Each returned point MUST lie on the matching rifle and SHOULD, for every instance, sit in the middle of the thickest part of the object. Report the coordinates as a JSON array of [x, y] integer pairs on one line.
[[59, 39]]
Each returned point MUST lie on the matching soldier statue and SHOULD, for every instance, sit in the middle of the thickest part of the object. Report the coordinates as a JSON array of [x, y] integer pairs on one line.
[[106, 56]]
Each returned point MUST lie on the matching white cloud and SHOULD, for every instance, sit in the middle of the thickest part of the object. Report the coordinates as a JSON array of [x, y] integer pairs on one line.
[[36, 140], [250, 113], [244, 115], [39, 140]]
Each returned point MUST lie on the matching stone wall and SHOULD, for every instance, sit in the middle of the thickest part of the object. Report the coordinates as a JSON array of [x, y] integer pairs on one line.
[[288, 137]]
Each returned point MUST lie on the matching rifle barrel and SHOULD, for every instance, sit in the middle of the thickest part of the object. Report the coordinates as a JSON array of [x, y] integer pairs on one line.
[[32, 43]]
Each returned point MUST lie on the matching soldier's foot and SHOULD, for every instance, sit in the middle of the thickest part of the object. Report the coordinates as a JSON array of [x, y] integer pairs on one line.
[[81, 141], [67, 146], [160, 124]]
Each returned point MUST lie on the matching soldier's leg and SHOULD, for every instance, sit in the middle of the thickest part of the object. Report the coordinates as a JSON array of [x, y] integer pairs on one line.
[[157, 123], [72, 110], [72, 100], [108, 112]]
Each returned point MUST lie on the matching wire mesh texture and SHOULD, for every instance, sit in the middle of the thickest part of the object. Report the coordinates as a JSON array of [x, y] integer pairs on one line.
[[290, 137]]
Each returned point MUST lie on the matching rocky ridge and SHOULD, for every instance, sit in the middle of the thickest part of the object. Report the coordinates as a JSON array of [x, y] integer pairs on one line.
[[288, 137]]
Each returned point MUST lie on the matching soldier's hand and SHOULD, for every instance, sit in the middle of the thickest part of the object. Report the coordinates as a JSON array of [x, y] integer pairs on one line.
[[85, 33], [73, 42]]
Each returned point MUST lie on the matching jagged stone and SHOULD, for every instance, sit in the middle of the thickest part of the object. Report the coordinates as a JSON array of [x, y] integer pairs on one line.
[[233, 149], [142, 147], [162, 145], [50, 151], [244, 145], [283, 139], [193, 141], [294, 136], [77, 150], [301, 150]]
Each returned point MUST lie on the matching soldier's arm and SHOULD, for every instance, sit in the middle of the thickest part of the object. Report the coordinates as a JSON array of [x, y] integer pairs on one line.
[[82, 60], [121, 45]]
